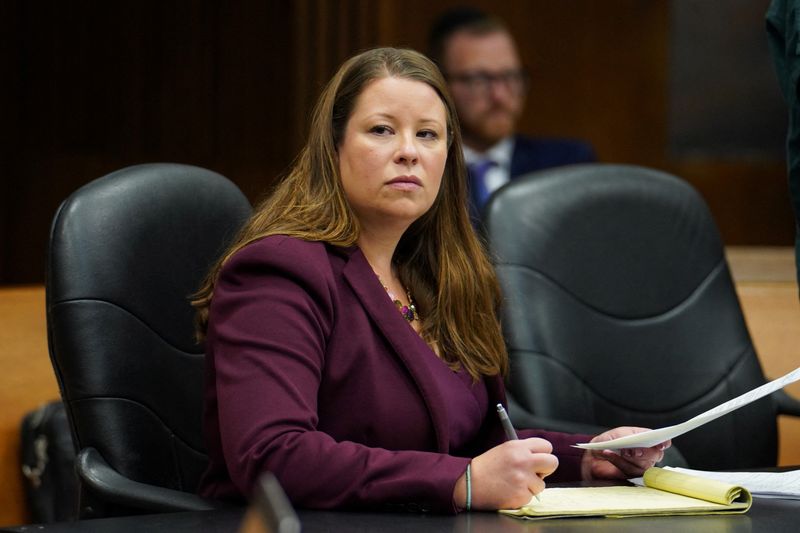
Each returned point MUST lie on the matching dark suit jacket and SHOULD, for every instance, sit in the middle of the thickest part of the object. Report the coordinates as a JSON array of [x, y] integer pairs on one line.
[[531, 154], [783, 30], [538, 154], [313, 374]]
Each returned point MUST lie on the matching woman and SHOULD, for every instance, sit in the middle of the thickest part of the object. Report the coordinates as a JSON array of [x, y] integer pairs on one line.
[[353, 345]]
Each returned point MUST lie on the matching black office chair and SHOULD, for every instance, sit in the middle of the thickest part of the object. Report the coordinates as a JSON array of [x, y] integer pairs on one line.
[[126, 252], [620, 310]]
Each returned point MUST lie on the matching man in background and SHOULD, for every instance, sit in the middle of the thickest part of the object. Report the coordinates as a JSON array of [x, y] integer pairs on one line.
[[477, 55]]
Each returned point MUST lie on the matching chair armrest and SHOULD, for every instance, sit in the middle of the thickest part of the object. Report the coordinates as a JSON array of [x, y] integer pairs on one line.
[[787, 404], [523, 418], [113, 487]]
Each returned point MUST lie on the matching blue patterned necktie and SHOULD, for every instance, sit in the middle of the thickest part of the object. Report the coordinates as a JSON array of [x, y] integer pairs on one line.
[[479, 192]]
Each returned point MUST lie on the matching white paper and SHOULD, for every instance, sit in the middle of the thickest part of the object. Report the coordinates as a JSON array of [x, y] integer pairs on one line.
[[652, 437], [760, 484]]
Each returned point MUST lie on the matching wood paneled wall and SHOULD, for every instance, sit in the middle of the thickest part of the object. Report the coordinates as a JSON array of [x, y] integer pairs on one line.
[[90, 87], [26, 382]]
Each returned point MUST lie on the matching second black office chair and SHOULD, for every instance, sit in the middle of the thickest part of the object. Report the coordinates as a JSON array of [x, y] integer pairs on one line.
[[126, 252], [620, 310]]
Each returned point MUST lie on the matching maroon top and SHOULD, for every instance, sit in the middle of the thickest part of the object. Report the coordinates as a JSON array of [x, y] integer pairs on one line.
[[313, 374]]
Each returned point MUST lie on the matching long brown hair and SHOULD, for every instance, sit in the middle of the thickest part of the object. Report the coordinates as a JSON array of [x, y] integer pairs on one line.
[[439, 258]]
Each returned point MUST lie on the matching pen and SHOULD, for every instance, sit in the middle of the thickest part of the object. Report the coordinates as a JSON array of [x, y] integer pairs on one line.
[[509, 429], [506, 423]]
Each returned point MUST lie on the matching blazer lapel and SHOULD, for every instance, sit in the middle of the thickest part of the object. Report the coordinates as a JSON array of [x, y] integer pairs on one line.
[[415, 354], [524, 158]]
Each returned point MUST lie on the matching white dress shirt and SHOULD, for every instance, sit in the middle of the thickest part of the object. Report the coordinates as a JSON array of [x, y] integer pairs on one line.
[[500, 153]]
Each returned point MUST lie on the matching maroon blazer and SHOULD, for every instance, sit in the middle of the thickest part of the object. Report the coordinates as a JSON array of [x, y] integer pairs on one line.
[[313, 374]]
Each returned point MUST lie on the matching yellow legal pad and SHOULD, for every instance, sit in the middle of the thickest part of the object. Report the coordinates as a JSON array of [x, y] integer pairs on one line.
[[666, 493]]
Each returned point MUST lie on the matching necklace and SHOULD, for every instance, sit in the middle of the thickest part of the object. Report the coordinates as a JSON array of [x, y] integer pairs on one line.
[[409, 311]]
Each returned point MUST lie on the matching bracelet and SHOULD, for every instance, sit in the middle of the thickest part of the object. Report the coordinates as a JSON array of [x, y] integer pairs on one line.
[[469, 487]]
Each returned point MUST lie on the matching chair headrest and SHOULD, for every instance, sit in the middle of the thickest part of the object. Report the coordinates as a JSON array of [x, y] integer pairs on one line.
[[649, 235], [143, 238]]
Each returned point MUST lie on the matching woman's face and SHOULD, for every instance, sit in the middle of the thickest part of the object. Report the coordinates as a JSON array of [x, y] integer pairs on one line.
[[393, 153]]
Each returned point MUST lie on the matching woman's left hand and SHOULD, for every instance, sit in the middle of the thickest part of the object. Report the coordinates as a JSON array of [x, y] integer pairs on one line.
[[620, 464]]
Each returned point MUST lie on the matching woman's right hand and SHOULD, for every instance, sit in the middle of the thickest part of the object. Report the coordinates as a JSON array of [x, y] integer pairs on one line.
[[506, 476]]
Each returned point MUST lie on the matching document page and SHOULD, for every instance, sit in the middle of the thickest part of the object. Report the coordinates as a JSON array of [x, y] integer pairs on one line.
[[655, 436], [663, 492], [763, 484], [607, 500]]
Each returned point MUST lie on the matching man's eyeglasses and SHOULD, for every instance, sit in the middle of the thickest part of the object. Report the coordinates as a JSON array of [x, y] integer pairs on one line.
[[515, 81]]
